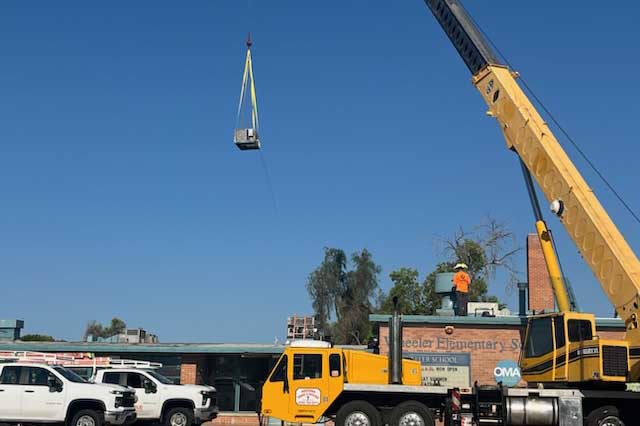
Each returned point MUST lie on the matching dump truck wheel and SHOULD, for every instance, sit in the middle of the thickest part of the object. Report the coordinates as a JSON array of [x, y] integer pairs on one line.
[[605, 416], [358, 413], [411, 413]]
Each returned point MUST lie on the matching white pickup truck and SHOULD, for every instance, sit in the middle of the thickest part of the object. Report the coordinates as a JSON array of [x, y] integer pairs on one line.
[[159, 399], [39, 393]]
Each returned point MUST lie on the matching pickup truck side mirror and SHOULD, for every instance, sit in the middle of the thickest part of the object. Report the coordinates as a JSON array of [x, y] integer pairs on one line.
[[150, 387], [54, 384]]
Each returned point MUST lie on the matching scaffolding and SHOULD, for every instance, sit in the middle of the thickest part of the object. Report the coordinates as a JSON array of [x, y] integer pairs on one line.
[[301, 327]]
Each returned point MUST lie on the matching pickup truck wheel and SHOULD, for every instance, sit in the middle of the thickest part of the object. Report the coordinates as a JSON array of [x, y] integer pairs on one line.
[[604, 416], [179, 417], [87, 418], [358, 413], [411, 413]]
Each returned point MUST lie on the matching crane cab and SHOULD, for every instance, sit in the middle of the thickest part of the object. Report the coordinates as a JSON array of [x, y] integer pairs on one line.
[[564, 348], [246, 139]]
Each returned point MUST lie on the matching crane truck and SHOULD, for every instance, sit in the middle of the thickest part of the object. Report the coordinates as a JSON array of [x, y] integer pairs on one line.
[[574, 377]]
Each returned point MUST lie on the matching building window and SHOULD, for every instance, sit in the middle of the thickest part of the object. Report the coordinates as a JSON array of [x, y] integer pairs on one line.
[[238, 379], [280, 372]]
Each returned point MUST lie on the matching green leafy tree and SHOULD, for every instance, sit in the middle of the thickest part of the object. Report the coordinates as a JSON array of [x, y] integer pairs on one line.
[[346, 294], [117, 326], [94, 328], [37, 338], [326, 285], [352, 325], [412, 297], [486, 249]]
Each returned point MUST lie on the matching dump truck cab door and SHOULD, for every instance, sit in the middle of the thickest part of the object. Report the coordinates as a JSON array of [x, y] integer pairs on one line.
[[309, 385], [304, 383], [276, 391]]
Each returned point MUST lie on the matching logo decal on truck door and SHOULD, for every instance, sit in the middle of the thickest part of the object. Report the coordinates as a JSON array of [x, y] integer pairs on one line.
[[308, 396]]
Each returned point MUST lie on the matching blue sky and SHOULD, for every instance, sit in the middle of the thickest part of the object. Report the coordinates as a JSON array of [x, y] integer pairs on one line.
[[123, 194]]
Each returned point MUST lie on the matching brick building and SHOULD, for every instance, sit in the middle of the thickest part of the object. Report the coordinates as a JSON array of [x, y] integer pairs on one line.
[[476, 346], [453, 350]]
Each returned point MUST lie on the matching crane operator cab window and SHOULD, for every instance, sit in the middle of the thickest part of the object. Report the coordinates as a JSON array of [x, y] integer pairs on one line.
[[558, 325], [539, 338], [579, 330]]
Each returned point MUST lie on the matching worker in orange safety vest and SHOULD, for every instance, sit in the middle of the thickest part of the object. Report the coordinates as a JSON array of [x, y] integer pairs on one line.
[[461, 281]]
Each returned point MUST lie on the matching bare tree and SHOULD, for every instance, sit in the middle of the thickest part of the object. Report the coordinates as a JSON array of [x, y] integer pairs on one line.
[[486, 248]]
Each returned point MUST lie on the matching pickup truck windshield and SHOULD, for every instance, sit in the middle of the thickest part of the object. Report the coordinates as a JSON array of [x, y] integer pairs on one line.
[[69, 375], [160, 378]]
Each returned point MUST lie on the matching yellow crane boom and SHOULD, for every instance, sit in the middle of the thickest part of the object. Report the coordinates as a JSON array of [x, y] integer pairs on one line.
[[597, 238], [600, 242]]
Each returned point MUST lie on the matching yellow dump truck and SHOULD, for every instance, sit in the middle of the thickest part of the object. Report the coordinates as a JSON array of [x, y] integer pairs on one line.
[[313, 381]]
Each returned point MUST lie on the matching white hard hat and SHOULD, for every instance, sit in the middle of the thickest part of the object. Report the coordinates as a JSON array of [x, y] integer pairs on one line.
[[460, 266]]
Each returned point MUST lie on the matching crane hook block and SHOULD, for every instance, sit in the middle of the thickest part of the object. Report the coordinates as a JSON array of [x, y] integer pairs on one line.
[[246, 133]]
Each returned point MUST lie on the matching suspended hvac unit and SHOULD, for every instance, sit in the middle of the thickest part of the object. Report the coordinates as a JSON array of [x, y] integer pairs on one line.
[[246, 133]]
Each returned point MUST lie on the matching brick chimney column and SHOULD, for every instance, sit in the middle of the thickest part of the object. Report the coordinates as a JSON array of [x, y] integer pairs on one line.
[[540, 290]]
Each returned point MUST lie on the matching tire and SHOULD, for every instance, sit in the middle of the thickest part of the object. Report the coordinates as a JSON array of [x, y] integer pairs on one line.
[[411, 413], [358, 413], [179, 416], [87, 418], [604, 416]]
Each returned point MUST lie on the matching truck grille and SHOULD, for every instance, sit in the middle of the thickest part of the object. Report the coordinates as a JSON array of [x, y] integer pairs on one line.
[[614, 361], [209, 397], [127, 399]]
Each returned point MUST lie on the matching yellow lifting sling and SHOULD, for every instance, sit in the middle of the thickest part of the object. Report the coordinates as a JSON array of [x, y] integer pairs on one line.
[[247, 137]]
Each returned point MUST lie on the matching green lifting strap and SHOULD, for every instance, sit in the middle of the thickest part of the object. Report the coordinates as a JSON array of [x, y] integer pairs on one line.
[[248, 85]]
